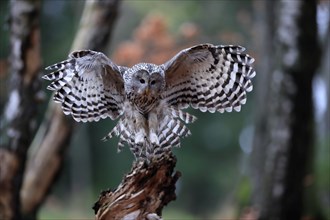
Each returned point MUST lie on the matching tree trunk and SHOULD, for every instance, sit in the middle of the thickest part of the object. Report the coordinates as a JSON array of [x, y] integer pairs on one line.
[[286, 134], [142, 193], [54, 134], [19, 118]]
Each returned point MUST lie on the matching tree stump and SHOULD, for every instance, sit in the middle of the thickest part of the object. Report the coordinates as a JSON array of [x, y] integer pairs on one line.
[[143, 192]]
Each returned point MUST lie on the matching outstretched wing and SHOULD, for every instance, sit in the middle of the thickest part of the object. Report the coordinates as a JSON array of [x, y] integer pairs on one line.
[[88, 85], [210, 78]]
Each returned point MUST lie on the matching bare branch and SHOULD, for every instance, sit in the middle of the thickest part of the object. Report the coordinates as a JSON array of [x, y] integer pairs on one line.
[[19, 119], [55, 132], [142, 193]]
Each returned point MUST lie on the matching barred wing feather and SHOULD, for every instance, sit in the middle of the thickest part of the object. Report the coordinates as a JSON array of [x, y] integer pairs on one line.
[[209, 78], [88, 85]]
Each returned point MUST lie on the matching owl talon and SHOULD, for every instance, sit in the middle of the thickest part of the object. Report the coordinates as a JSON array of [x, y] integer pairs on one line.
[[137, 150], [154, 139], [139, 139]]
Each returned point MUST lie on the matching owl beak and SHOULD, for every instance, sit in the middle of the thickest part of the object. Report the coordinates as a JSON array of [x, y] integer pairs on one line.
[[147, 91]]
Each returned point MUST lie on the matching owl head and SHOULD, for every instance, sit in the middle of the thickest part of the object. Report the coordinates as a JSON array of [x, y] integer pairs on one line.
[[144, 79]]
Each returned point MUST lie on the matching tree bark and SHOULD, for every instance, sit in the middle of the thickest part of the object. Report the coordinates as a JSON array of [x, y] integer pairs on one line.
[[54, 134], [142, 193], [286, 135], [265, 13], [19, 118]]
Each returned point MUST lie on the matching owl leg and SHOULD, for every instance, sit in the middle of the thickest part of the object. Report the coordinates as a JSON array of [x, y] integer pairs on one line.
[[140, 134], [154, 138], [139, 126], [140, 137], [152, 124]]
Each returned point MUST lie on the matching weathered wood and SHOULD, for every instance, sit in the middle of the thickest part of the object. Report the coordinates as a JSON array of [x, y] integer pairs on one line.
[[143, 192]]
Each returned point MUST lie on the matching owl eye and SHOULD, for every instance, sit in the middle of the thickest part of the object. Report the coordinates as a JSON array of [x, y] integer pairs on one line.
[[153, 82], [142, 81]]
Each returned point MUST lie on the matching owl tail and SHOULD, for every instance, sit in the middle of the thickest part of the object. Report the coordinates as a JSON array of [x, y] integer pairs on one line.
[[124, 131], [124, 134], [172, 129]]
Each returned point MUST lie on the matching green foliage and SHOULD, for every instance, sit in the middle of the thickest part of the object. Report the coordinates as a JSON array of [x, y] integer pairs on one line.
[[4, 36], [174, 213], [244, 192], [322, 166]]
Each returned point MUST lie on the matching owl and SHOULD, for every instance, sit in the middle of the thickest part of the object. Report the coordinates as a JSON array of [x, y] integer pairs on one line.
[[148, 99]]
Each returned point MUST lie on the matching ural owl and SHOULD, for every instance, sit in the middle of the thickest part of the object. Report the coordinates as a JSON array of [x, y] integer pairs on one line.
[[148, 99]]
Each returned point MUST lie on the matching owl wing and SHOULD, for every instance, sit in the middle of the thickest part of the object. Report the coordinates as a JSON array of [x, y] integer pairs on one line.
[[209, 78], [89, 86]]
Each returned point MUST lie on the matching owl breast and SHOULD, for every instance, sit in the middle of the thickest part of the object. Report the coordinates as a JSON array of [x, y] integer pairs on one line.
[[144, 103]]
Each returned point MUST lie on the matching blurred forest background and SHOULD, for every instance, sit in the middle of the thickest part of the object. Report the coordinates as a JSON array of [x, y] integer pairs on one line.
[[225, 163]]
